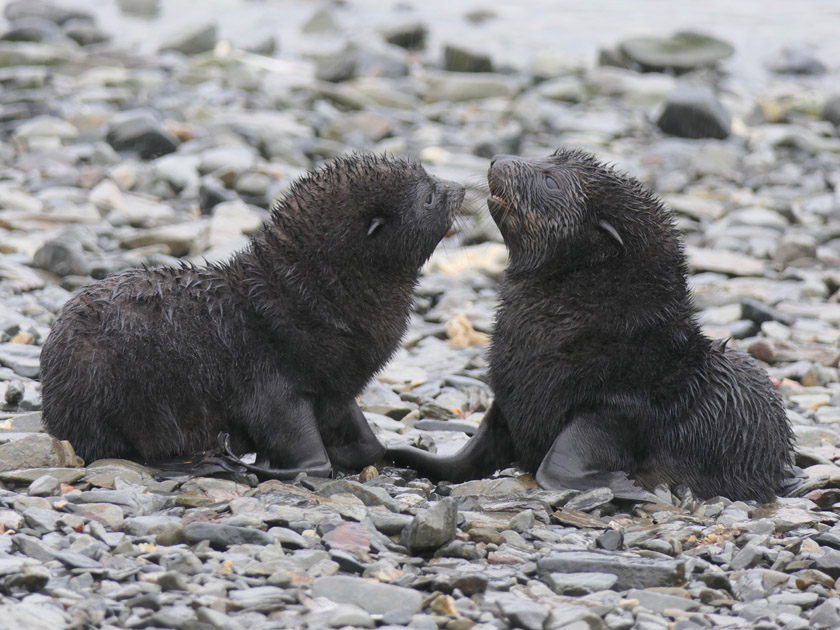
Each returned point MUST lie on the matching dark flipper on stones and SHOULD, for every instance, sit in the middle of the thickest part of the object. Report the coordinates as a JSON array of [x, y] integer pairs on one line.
[[222, 462], [583, 459], [488, 450], [350, 442]]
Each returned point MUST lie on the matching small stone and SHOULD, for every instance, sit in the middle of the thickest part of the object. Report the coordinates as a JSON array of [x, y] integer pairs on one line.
[[611, 540], [632, 571], [322, 21], [44, 486], [47, 126], [223, 536], [748, 557], [389, 523], [350, 615], [373, 597], [797, 60], [575, 584], [459, 58], [660, 602], [352, 537], [826, 615], [431, 528], [172, 581], [680, 52], [290, 539], [85, 33], [335, 68], [369, 495], [211, 193], [828, 562], [470, 584], [694, 112], [63, 258], [261, 598], [14, 392], [523, 521], [462, 86], [142, 132], [180, 238], [831, 110], [28, 475], [590, 499], [141, 8], [112, 516], [37, 450], [411, 35], [444, 605], [193, 40], [41, 520], [723, 261], [523, 613]]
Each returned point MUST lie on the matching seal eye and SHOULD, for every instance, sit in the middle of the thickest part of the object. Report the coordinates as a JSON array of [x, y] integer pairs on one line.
[[430, 199], [375, 224], [551, 183]]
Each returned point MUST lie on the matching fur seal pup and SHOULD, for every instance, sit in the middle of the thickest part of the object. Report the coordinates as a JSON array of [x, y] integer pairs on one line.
[[271, 347], [599, 368]]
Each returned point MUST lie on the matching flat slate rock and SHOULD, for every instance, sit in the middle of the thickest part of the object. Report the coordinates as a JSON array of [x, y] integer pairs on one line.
[[680, 52], [223, 536], [632, 571], [373, 597]]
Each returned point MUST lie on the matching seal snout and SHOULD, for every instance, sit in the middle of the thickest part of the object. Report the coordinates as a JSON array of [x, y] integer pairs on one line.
[[453, 191], [501, 167]]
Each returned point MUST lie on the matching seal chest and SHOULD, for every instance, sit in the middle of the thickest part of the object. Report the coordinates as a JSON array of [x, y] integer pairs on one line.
[[601, 374], [271, 347]]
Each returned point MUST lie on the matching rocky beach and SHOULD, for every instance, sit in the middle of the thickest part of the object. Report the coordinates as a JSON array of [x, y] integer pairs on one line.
[[153, 132]]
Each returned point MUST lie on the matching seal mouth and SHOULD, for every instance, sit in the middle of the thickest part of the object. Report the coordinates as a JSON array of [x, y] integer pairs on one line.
[[498, 206]]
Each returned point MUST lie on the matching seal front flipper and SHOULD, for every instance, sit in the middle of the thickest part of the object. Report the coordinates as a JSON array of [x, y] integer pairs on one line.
[[583, 457], [348, 438], [280, 421], [490, 449]]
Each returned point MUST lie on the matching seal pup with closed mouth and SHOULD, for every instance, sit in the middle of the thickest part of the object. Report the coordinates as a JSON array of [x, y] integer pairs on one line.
[[601, 374], [271, 347]]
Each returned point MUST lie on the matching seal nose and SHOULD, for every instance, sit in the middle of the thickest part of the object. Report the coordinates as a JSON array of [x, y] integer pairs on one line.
[[498, 159], [452, 189]]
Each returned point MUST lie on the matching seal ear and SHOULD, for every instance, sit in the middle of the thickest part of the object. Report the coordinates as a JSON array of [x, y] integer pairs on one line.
[[609, 229], [375, 224]]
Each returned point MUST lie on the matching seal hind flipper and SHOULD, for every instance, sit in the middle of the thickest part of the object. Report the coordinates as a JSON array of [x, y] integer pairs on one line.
[[576, 461], [350, 442], [490, 449]]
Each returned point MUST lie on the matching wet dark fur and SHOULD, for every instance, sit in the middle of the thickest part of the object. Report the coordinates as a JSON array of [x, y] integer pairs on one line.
[[595, 340], [271, 347]]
